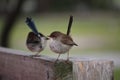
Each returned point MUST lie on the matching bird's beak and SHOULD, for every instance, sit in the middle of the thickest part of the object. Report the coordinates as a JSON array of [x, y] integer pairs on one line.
[[48, 37]]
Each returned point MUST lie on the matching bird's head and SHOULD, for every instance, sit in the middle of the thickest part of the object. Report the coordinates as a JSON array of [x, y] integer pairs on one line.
[[55, 35]]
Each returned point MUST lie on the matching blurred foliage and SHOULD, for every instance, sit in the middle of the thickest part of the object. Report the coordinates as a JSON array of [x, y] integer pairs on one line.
[[100, 4], [63, 5], [31, 6]]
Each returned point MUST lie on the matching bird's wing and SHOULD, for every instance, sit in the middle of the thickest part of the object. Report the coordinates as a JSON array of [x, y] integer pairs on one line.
[[31, 25], [32, 38], [68, 40]]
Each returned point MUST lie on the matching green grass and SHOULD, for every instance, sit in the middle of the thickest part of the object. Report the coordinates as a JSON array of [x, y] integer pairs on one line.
[[117, 74]]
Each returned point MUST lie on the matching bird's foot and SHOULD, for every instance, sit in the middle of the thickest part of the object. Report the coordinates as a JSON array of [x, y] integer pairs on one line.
[[56, 61], [67, 61]]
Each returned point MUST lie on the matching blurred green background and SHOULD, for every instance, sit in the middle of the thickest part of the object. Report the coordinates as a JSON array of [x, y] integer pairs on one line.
[[96, 26]]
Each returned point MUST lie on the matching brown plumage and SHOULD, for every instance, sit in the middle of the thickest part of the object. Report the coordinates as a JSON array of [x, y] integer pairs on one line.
[[61, 43], [65, 39]]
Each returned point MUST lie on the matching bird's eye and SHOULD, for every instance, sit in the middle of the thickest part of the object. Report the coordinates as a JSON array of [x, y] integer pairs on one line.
[[53, 36]]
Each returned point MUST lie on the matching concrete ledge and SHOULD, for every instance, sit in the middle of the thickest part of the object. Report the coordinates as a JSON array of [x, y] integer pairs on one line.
[[17, 65]]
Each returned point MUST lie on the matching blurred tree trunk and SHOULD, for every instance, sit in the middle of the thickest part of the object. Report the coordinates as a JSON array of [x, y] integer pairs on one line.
[[9, 23]]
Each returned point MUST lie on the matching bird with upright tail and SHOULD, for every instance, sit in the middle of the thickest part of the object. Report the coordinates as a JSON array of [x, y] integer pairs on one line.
[[36, 41], [61, 43]]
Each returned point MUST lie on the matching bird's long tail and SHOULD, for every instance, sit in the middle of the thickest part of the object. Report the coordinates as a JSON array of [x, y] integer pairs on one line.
[[69, 25], [31, 25]]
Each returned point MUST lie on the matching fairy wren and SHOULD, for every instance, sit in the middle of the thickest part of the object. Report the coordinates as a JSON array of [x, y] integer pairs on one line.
[[36, 42], [61, 43]]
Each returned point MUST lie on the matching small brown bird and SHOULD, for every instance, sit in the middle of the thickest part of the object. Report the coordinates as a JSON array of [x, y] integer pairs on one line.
[[61, 43]]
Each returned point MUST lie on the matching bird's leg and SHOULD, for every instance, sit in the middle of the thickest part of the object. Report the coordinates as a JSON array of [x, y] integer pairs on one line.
[[67, 61], [68, 56], [57, 58]]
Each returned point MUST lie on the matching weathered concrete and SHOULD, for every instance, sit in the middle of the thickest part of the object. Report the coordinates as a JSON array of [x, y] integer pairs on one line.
[[16, 65]]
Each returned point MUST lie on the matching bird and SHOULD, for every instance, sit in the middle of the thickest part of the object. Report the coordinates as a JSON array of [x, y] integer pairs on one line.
[[36, 41], [60, 42]]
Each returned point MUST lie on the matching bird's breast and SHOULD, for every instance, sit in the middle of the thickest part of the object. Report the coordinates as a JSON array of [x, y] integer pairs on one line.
[[37, 47], [34, 47], [58, 47]]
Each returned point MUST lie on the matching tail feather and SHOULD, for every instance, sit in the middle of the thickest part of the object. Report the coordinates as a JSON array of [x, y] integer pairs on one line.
[[31, 25], [69, 25]]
